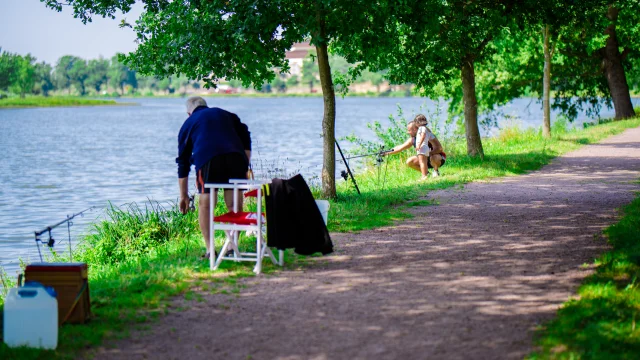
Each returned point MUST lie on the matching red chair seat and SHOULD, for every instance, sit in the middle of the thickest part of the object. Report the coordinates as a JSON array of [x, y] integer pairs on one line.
[[252, 193], [240, 218]]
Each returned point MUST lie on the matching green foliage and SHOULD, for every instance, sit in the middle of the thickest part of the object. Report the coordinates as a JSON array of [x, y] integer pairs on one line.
[[120, 75], [98, 70], [395, 133], [6, 282], [44, 82], [62, 75], [8, 69], [578, 39], [431, 44], [279, 84], [386, 138], [78, 74], [17, 73], [560, 125], [602, 323], [35, 101], [310, 73], [134, 232], [24, 77]]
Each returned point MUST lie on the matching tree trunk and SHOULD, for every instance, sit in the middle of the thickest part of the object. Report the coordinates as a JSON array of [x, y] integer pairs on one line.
[[328, 124], [474, 143], [546, 86], [614, 72]]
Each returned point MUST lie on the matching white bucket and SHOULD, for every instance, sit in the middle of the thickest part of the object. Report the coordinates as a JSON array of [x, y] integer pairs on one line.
[[31, 318], [323, 205]]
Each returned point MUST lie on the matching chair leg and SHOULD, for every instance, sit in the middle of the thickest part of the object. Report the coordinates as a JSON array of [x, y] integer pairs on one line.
[[281, 257], [222, 252], [236, 247], [259, 254], [270, 254]]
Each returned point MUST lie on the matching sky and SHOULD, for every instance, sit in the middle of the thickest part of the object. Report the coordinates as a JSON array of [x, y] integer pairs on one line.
[[28, 26]]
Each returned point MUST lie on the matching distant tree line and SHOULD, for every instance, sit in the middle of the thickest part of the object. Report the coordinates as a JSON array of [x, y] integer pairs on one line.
[[72, 75], [23, 75]]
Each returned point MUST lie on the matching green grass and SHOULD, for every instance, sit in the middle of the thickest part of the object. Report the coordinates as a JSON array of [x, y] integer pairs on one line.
[[41, 101], [604, 323], [142, 257], [138, 260], [513, 152]]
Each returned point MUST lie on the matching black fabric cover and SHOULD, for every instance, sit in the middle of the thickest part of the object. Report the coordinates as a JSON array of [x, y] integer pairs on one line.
[[293, 218]]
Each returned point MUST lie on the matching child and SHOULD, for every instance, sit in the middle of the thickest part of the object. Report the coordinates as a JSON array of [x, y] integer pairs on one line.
[[429, 150], [423, 135]]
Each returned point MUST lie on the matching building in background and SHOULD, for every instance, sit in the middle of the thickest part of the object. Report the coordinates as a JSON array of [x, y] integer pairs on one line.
[[296, 55]]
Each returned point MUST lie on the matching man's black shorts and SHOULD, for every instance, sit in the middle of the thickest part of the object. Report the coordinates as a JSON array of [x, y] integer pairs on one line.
[[220, 169]]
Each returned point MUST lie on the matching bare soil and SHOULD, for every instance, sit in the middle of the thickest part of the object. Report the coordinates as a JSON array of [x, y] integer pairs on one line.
[[468, 278]]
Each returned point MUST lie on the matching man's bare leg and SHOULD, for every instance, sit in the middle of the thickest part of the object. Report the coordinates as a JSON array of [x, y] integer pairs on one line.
[[413, 163], [203, 216], [436, 162], [228, 199]]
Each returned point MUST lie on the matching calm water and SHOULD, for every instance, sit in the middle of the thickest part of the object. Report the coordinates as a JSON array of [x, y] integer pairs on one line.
[[59, 161]]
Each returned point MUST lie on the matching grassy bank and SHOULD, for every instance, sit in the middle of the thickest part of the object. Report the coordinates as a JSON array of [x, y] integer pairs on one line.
[[142, 257], [512, 152], [604, 323], [41, 101], [138, 258]]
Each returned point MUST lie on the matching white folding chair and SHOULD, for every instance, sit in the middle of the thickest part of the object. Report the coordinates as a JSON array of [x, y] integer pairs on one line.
[[236, 221]]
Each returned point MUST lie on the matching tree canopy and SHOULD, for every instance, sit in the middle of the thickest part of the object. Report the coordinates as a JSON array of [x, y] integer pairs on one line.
[[478, 54]]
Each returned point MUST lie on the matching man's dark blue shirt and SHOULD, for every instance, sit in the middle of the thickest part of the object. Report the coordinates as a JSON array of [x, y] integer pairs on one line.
[[209, 132]]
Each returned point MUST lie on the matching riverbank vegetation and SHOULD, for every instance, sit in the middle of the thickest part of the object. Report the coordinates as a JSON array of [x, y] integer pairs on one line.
[[141, 256], [22, 75], [37, 101]]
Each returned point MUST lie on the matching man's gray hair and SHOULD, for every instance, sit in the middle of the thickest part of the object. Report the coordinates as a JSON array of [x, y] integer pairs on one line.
[[194, 102]]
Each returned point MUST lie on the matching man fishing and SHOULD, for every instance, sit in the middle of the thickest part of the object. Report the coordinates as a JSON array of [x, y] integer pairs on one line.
[[429, 151], [219, 145]]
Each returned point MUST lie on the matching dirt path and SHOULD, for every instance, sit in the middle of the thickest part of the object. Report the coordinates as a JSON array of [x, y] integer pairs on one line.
[[469, 278]]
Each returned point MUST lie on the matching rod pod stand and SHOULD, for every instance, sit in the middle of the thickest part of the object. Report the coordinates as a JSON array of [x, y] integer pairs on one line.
[[348, 169]]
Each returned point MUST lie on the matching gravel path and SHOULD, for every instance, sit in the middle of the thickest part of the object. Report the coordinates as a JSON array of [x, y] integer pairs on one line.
[[469, 278]]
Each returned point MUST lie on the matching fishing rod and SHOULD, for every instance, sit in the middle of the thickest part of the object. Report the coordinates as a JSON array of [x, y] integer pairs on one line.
[[348, 172], [51, 241], [379, 153]]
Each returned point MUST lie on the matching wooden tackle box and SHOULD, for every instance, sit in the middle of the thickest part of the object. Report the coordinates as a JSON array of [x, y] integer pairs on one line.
[[70, 282]]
